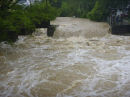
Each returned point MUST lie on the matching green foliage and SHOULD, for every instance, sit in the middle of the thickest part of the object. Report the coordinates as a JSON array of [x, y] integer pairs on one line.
[[3, 36], [19, 17], [64, 10], [97, 12], [78, 8], [84, 15], [40, 12], [87, 5], [87, 8]]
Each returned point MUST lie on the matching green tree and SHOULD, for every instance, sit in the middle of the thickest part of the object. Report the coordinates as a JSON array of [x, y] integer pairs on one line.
[[97, 12], [86, 6], [64, 10]]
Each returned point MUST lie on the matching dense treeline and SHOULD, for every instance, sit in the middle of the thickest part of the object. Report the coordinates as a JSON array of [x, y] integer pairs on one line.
[[92, 9]]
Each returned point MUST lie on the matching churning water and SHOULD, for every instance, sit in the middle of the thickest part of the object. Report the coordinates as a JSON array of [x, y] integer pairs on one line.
[[81, 60]]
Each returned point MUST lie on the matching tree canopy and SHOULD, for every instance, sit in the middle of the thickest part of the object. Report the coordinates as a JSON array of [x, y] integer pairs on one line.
[[92, 9], [14, 17]]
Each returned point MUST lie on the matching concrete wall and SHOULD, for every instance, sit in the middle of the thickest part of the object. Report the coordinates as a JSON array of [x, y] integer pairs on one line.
[[121, 30]]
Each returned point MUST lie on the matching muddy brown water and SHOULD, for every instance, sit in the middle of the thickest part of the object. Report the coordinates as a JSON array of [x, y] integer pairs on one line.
[[82, 59]]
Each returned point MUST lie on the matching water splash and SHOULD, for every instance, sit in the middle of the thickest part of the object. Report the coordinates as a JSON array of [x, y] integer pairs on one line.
[[81, 60]]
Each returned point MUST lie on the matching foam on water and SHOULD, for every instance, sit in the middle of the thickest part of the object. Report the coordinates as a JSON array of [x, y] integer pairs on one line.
[[80, 27], [67, 65]]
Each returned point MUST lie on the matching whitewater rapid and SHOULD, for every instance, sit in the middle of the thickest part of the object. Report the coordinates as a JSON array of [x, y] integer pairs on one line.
[[82, 59]]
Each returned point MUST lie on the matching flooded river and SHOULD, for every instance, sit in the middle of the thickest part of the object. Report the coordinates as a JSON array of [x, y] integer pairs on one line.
[[82, 59]]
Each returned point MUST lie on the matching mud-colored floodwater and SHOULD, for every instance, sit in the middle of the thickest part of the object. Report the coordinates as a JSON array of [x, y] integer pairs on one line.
[[82, 59]]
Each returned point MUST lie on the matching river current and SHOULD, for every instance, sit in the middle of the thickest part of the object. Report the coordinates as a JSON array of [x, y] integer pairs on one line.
[[82, 59]]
